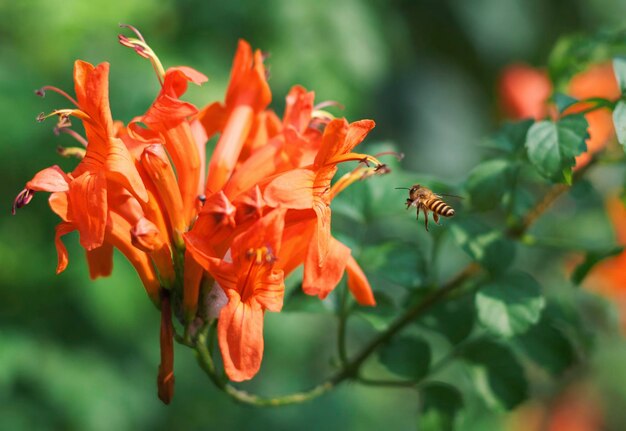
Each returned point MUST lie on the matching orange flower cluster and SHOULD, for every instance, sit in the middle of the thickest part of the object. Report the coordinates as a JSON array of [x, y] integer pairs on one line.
[[524, 93], [217, 245]]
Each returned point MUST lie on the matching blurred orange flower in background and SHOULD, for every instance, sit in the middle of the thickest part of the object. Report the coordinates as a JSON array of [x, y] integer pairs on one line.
[[524, 92]]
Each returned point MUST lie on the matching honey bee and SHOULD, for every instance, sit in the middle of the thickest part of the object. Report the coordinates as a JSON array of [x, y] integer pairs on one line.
[[424, 198]]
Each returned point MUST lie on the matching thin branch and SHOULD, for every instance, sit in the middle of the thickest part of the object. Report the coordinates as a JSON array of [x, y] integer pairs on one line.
[[350, 368]]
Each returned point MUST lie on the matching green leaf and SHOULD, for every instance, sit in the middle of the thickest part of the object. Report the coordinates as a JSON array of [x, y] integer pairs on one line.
[[399, 262], [510, 305], [619, 68], [406, 356], [619, 121], [488, 182], [563, 101], [511, 137], [591, 259], [485, 245], [453, 319], [546, 344], [497, 375], [440, 404], [552, 146], [381, 315]]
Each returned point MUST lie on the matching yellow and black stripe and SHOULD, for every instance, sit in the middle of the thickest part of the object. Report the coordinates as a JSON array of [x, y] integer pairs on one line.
[[439, 207]]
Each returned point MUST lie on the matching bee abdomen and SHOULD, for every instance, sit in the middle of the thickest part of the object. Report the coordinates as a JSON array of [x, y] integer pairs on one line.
[[440, 207]]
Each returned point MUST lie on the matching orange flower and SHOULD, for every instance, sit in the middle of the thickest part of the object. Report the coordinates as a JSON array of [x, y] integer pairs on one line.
[[309, 189], [524, 93], [252, 284], [248, 94]]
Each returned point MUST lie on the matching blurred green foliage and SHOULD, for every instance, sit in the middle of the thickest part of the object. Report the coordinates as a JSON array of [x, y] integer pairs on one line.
[[77, 354]]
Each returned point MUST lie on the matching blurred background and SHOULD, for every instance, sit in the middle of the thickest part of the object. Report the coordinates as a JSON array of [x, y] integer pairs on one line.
[[77, 354]]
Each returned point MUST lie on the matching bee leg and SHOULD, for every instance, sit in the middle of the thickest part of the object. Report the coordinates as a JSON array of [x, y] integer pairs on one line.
[[417, 214], [408, 203], [425, 217], [436, 217]]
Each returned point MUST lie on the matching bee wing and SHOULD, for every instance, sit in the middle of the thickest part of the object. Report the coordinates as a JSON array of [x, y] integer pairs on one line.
[[440, 195]]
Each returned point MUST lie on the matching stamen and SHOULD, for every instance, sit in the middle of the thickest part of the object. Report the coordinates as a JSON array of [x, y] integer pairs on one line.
[[77, 152], [134, 30], [356, 157], [64, 115], [58, 130], [319, 123], [42, 93], [358, 174], [261, 255], [23, 198], [141, 47], [397, 155], [321, 114], [328, 103]]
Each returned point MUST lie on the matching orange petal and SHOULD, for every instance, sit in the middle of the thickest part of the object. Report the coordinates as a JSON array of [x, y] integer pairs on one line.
[[92, 93], [51, 179], [62, 229], [100, 261], [270, 290], [120, 168], [183, 149], [357, 131], [146, 236], [296, 239], [157, 165], [262, 164], [213, 118], [88, 205], [119, 236], [192, 278], [59, 205], [265, 232], [321, 280], [293, 189], [298, 108], [322, 210], [358, 284], [240, 334], [229, 147], [248, 84], [332, 140]]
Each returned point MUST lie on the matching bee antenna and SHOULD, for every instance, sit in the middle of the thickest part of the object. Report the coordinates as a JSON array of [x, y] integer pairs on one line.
[[402, 188]]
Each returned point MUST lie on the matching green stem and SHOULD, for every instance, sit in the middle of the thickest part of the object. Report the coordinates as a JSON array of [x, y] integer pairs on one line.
[[342, 327], [348, 371]]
